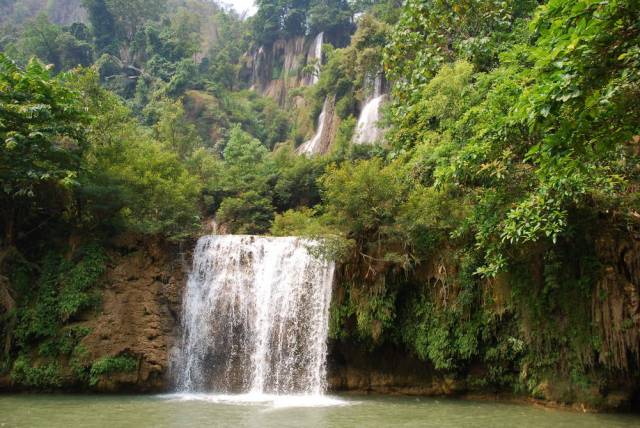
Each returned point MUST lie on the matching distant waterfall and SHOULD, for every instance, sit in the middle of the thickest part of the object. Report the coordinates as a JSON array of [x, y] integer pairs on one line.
[[313, 146], [367, 129], [255, 317], [315, 54], [258, 58]]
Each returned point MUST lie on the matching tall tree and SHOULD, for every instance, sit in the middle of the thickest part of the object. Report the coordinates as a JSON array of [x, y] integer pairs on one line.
[[42, 134], [103, 24], [129, 15], [267, 23], [334, 17]]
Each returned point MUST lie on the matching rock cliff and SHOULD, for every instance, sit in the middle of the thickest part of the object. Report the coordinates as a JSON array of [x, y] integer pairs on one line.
[[139, 317], [139, 314], [278, 69], [62, 12]]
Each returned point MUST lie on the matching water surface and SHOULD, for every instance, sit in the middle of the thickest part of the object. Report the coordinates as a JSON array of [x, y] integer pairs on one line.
[[267, 411]]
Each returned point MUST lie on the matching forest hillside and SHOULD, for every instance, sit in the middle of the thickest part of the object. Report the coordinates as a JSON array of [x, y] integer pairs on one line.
[[472, 168]]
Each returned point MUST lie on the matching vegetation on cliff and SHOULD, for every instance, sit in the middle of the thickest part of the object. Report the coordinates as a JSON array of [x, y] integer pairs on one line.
[[491, 234]]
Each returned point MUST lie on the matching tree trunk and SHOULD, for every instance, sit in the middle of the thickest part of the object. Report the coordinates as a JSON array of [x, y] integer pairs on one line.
[[8, 303], [9, 235]]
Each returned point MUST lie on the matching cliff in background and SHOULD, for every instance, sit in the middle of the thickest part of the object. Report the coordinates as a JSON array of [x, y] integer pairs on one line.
[[278, 69], [561, 325], [62, 12], [286, 72]]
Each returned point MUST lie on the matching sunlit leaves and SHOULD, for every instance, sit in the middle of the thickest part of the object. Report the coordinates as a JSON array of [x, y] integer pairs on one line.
[[41, 127], [547, 131]]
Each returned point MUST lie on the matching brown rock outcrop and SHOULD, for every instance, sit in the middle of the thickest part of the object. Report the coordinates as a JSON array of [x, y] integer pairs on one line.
[[277, 69], [139, 314]]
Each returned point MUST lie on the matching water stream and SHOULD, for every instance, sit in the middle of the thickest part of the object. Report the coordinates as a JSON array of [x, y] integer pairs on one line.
[[315, 54], [255, 318], [313, 146], [367, 130]]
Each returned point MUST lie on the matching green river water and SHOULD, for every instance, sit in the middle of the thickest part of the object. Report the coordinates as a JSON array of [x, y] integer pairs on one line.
[[245, 411]]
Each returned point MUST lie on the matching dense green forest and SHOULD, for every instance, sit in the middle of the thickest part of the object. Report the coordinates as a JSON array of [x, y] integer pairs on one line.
[[475, 235]]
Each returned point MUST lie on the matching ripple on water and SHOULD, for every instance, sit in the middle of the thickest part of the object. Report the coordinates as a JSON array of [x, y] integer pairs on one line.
[[268, 400]]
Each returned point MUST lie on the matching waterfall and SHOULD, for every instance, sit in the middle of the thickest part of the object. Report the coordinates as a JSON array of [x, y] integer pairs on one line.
[[315, 53], [255, 317], [314, 145], [256, 66], [367, 129]]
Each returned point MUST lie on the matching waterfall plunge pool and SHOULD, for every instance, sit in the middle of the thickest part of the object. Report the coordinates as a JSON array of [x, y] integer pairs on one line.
[[257, 399], [195, 410], [255, 319]]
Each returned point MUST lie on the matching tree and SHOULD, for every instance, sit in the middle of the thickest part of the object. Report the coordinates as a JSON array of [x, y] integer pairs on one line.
[[175, 132], [246, 161], [334, 18], [73, 52], [129, 15], [42, 140], [281, 19], [247, 213], [432, 32], [267, 23], [242, 150], [103, 25], [544, 135], [42, 134], [64, 48], [295, 17], [361, 198], [132, 181], [387, 10], [296, 183], [225, 53], [39, 39]]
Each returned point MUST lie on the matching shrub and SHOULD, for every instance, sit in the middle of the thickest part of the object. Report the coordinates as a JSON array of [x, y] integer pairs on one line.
[[41, 377], [109, 365]]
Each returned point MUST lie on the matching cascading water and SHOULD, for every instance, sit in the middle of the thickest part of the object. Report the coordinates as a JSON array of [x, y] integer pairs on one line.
[[315, 54], [367, 129], [313, 146], [255, 317]]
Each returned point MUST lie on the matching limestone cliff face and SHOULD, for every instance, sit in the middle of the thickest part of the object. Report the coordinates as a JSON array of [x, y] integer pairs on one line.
[[140, 317], [616, 300], [62, 12], [330, 126], [278, 69], [325, 132], [611, 313], [139, 314], [66, 12], [137, 320]]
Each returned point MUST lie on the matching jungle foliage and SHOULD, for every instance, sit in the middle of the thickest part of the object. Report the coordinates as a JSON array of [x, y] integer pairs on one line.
[[511, 152], [470, 237]]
